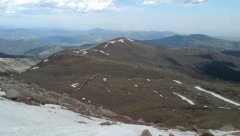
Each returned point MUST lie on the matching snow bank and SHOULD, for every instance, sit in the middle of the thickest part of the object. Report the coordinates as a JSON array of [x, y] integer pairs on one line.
[[184, 98], [217, 95], [18, 119], [2, 93]]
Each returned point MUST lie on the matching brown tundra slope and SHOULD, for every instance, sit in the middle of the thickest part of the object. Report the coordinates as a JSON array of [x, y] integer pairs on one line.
[[157, 84]]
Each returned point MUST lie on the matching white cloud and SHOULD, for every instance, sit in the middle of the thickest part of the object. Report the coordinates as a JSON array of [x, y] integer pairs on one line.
[[154, 2], [194, 1], [48, 6]]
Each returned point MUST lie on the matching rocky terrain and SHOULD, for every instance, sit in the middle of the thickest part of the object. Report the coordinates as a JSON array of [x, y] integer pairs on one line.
[[169, 87]]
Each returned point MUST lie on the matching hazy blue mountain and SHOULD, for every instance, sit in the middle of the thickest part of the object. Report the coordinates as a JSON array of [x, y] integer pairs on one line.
[[3, 55], [44, 52], [18, 46], [195, 40]]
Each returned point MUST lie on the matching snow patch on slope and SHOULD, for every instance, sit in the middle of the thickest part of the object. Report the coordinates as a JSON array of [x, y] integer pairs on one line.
[[35, 68], [104, 79], [130, 40], [184, 98], [106, 46], [102, 52], [111, 42], [217, 96], [121, 40], [176, 81], [83, 52], [46, 60], [74, 85]]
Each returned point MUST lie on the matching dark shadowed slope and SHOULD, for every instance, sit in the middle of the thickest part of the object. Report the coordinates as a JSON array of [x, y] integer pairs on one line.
[[232, 53]]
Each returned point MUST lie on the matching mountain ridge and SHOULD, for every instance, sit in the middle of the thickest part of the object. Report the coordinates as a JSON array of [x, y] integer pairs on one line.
[[143, 81], [194, 40]]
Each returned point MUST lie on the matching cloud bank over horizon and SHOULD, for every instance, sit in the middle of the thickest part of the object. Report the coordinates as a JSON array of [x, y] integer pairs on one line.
[[58, 6], [51, 6]]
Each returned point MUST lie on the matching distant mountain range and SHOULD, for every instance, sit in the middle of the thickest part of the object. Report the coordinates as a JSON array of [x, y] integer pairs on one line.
[[196, 41], [18, 41]]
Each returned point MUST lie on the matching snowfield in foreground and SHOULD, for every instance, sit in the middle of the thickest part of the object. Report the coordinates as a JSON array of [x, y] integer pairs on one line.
[[18, 119]]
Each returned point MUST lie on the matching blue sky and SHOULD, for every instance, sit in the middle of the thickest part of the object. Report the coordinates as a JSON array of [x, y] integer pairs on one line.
[[213, 17]]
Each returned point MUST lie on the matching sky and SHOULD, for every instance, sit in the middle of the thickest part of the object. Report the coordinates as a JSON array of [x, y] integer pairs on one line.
[[213, 17]]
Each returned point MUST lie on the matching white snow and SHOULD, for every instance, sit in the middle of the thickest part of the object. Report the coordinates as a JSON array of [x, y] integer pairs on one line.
[[2, 93], [83, 98], [224, 108], [130, 40], [205, 106], [155, 91], [160, 95], [177, 81], [136, 85], [52, 120], [184, 98], [74, 85], [111, 42], [109, 91], [76, 51], [148, 80], [84, 52], [35, 68], [46, 60], [104, 53], [104, 79], [217, 95], [129, 93], [89, 101], [121, 40], [101, 52], [106, 46]]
